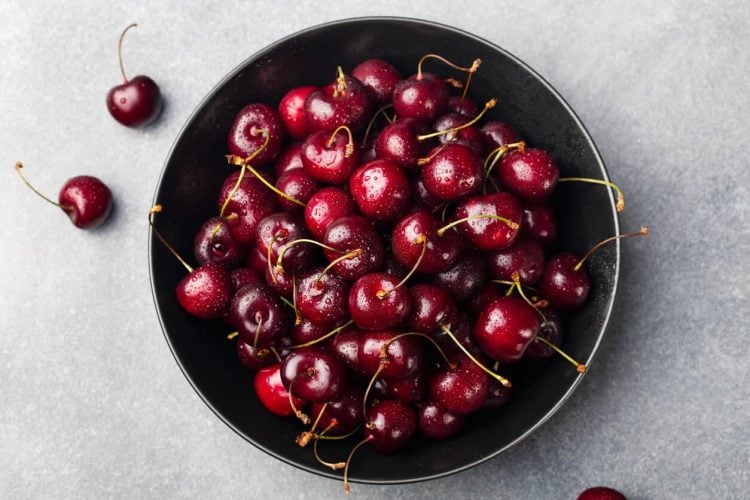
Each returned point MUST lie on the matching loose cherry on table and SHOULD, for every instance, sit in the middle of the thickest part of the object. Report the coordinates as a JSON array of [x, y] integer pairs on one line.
[[601, 493], [86, 200], [135, 102]]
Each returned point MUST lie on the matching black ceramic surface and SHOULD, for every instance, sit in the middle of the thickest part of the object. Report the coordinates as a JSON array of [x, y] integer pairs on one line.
[[195, 170]]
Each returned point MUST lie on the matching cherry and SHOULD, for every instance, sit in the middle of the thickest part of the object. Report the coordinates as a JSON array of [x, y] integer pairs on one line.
[[345, 346], [379, 78], [257, 128], [424, 96], [380, 189], [410, 390], [481, 299], [565, 286], [525, 256], [393, 267], [505, 328], [86, 200], [322, 298], [290, 158], [273, 235], [343, 102], [135, 102], [272, 393], [601, 493], [390, 425], [416, 244], [463, 106], [243, 203], [313, 375], [279, 281], [432, 309], [330, 158], [359, 247], [326, 206], [452, 172], [306, 331], [258, 315], [376, 302], [213, 243], [462, 389], [437, 423], [253, 358], [341, 415], [539, 222], [398, 142], [499, 394], [291, 111], [244, 276], [461, 331], [497, 134], [529, 173], [402, 357], [468, 136], [296, 184], [551, 331], [489, 221], [465, 277], [256, 260], [421, 198]]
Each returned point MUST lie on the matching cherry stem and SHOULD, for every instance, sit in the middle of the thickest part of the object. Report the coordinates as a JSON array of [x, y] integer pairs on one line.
[[468, 81], [504, 381], [427, 159], [454, 83], [156, 209], [334, 438], [231, 193], [286, 301], [119, 51], [18, 168], [488, 105], [347, 256], [349, 145], [444, 211], [379, 112], [381, 367], [619, 206], [318, 437], [471, 69], [275, 353], [297, 315], [427, 337], [340, 87], [498, 153], [232, 335], [215, 231], [304, 438], [510, 223], [421, 240], [512, 283], [643, 232], [239, 161], [280, 268], [517, 282], [366, 440], [323, 337], [297, 413], [580, 367], [257, 330]]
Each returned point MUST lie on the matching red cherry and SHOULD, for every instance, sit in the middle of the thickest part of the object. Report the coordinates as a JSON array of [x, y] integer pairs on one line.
[[205, 292], [565, 287], [390, 425], [313, 375], [531, 174], [403, 356], [359, 247], [250, 202], [525, 257], [462, 389], [258, 315], [342, 415], [256, 125], [482, 228], [343, 102], [244, 276], [398, 142], [322, 298], [432, 309], [213, 243], [601, 493], [375, 302], [253, 358], [497, 134], [469, 136], [326, 206], [379, 77], [437, 423], [380, 189], [463, 106], [539, 222], [453, 171], [291, 111], [290, 158], [505, 328], [298, 185], [330, 158], [416, 235], [272, 393], [424, 96]]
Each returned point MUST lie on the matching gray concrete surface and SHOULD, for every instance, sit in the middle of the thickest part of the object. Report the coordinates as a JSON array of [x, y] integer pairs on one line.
[[92, 403]]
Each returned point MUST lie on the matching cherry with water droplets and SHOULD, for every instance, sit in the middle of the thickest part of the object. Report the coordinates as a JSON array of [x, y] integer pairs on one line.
[[437, 423], [402, 357], [468, 136], [292, 112], [289, 159], [497, 134], [453, 172], [326, 206], [390, 425], [342, 415], [244, 276], [461, 389], [505, 328], [432, 309], [258, 315], [539, 222], [272, 393], [380, 189], [416, 235], [253, 358], [322, 298], [214, 243], [330, 157], [313, 375], [565, 287], [257, 128], [465, 277], [482, 228], [343, 102], [525, 257], [424, 96], [274, 235], [379, 78], [529, 173], [359, 247], [601, 493], [463, 106], [250, 202], [398, 142], [376, 302], [551, 331], [298, 185]]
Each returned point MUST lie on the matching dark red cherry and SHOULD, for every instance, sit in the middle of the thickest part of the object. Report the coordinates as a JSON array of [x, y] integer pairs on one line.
[[562, 285], [306, 331], [326, 206], [525, 257], [253, 358], [551, 331], [86, 200], [346, 411], [258, 315], [322, 298], [213, 243], [454, 171], [280, 281], [380, 189], [601, 493], [376, 304], [390, 425], [432, 309], [398, 142], [465, 277], [487, 233], [256, 260], [461, 329], [290, 158], [137, 101], [498, 134], [469, 136], [330, 158], [421, 198], [248, 133], [291, 111], [345, 346], [539, 222], [272, 393], [437, 423], [481, 299], [205, 292], [349, 234], [462, 389], [417, 227], [313, 374], [343, 102], [403, 356], [298, 185], [424, 96], [410, 390], [379, 78], [505, 328], [244, 276], [463, 106], [530, 174], [250, 202], [499, 394], [275, 232]]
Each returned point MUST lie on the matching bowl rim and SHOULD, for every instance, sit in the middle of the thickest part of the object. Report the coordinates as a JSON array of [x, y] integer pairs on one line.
[[605, 175]]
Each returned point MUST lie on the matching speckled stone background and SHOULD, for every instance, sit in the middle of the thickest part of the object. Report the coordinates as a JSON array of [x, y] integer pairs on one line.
[[92, 403]]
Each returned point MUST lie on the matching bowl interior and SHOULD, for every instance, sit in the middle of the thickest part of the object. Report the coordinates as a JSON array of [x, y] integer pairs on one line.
[[196, 168]]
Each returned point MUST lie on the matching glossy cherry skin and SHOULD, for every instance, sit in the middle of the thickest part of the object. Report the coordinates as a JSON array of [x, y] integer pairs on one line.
[[306, 331], [291, 111], [136, 102], [424, 97], [244, 276], [322, 299], [256, 311], [214, 243], [441, 251], [246, 137], [498, 134], [345, 346], [565, 288], [297, 184], [505, 328], [272, 393], [338, 104], [380, 189], [601, 493], [410, 390], [432, 309], [346, 411], [290, 158], [281, 282], [539, 222], [354, 233], [313, 374], [463, 106], [86, 200], [465, 277], [250, 203], [256, 260], [531, 175], [331, 164], [423, 199], [371, 312], [460, 390], [437, 423], [481, 299], [326, 206], [398, 142], [379, 78], [206, 291], [525, 257], [499, 394], [253, 358], [487, 233], [462, 331], [453, 172], [551, 331], [390, 425], [403, 356], [469, 136], [275, 232]]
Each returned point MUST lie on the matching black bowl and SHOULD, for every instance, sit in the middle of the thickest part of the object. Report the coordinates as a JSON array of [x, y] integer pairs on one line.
[[196, 167]]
